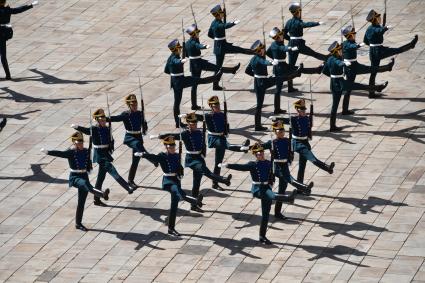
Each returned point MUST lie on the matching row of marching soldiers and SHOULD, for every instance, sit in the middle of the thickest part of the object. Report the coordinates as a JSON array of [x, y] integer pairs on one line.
[[213, 134]]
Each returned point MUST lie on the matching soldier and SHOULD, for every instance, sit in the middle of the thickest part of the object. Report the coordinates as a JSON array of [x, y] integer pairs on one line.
[[301, 133], [217, 31], [102, 143], [334, 68], [6, 31], [277, 51], [80, 164], [293, 32], [261, 174], [179, 81], [197, 64], [134, 124], [282, 156], [3, 124], [170, 165], [194, 141], [218, 130], [349, 54], [257, 67], [374, 37]]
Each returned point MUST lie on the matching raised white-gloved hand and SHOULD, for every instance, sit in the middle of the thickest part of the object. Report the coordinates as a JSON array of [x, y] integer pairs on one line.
[[74, 126], [243, 148], [34, 3], [274, 62], [236, 21], [43, 150], [346, 63], [321, 23], [152, 137], [222, 165], [207, 46], [295, 48], [361, 44], [183, 60], [138, 154], [182, 115]]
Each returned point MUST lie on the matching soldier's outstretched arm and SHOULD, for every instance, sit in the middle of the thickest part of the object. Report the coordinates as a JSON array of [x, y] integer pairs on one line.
[[116, 118], [21, 9], [59, 153], [310, 24], [152, 157], [84, 130], [240, 167], [174, 135]]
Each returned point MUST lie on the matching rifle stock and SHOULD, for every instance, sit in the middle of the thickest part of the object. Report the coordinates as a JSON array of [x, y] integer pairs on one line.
[[224, 12], [311, 112], [226, 120], [111, 137], [90, 167], [183, 43], [290, 150]]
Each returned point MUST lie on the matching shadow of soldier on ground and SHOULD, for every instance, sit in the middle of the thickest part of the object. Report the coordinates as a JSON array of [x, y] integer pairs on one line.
[[38, 175], [20, 97], [19, 116], [50, 79]]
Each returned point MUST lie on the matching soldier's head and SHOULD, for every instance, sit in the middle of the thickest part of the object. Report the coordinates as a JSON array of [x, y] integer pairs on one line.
[[2, 3], [214, 103], [278, 128], [78, 140], [295, 9], [258, 48], [335, 49], [300, 107], [276, 34], [217, 12], [258, 150], [170, 144], [193, 31], [175, 46], [192, 120], [100, 117], [374, 17], [131, 102], [349, 32]]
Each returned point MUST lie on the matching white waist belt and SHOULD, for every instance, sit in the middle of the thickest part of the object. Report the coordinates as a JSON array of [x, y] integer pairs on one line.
[[169, 174], [281, 160], [296, 37], [78, 171], [177, 75], [374, 45], [6, 25], [260, 183], [260, 77], [194, 152], [299, 138], [133, 132], [337, 76], [350, 60], [280, 60], [219, 38], [101, 146], [215, 134], [195, 57]]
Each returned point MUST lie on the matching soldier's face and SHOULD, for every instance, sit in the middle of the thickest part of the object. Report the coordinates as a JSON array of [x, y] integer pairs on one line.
[[102, 121], [260, 155], [133, 107], [171, 148], [216, 107], [262, 52], [79, 145], [301, 112], [298, 14], [379, 20], [192, 126], [280, 133]]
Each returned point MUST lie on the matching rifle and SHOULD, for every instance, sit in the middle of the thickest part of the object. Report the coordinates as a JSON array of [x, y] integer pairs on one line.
[[142, 105], [301, 6], [283, 20], [183, 43], [311, 111], [204, 128], [181, 168], [272, 151], [224, 12], [352, 20], [111, 141], [291, 149], [226, 121], [384, 18], [264, 37], [90, 165], [193, 14]]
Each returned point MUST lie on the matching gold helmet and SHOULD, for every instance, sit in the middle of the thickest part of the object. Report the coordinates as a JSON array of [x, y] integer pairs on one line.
[[168, 141], [257, 147], [77, 137], [191, 118], [99, 113], [213, 100], [278, 125], [300, 104], [130, 99]]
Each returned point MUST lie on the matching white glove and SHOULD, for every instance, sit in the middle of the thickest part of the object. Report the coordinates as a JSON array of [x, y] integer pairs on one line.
[[138, 154], [295, 48], [207, 46], [236, 22], [389, 27], [361, 44], [274, 62], [321, 23], [244, 148], [222, 165], [183, 60], [74, 126], [182, 115], [346, 63], [43, 150], [34, 3], [152, 137]]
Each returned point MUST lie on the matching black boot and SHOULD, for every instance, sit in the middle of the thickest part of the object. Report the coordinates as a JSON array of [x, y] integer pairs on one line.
[[333, 127], [410, 45], [387, 68], [216, 186], [231, 70], [81, 227], [172, 231], [263, 230], [302, 188], [317, 70], [131, 175], [277, 211], [291, 86], [3, 124], [258, 126], [216, 86], [227, 180], [98, 202], [381, 87], [265, 241], [287, 198]]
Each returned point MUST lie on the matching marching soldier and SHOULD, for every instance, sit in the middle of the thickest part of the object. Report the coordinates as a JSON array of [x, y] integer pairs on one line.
[[349, 54], [257, 68], [217, 31], [277, 51], [218, 130], [80, 164], [102, 144], [194, 141], [170, 165], [6, 31], [282, 155], [197, 64], [262, 175], [301, 133], [134, 124], [334, 68], [374, 37], [293, 32], [179, 81]]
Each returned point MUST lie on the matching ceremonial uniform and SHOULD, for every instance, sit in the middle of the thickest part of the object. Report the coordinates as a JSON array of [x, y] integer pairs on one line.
[[374, 37], [294, 31], [80, 164], [217, 31], [6, 31], [260, 171], [174, 67]]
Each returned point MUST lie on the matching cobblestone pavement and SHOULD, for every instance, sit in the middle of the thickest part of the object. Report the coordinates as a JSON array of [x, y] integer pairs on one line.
[[363, 223]]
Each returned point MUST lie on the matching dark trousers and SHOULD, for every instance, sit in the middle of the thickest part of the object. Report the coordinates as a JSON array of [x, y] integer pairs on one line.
[[260, 87], [220, 149], [4, 58], [201, 65], [84, 187], [304, 150], [303, 49], [134, 142], [106, 166], [266, 196], [229, 48], [200, 169]]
